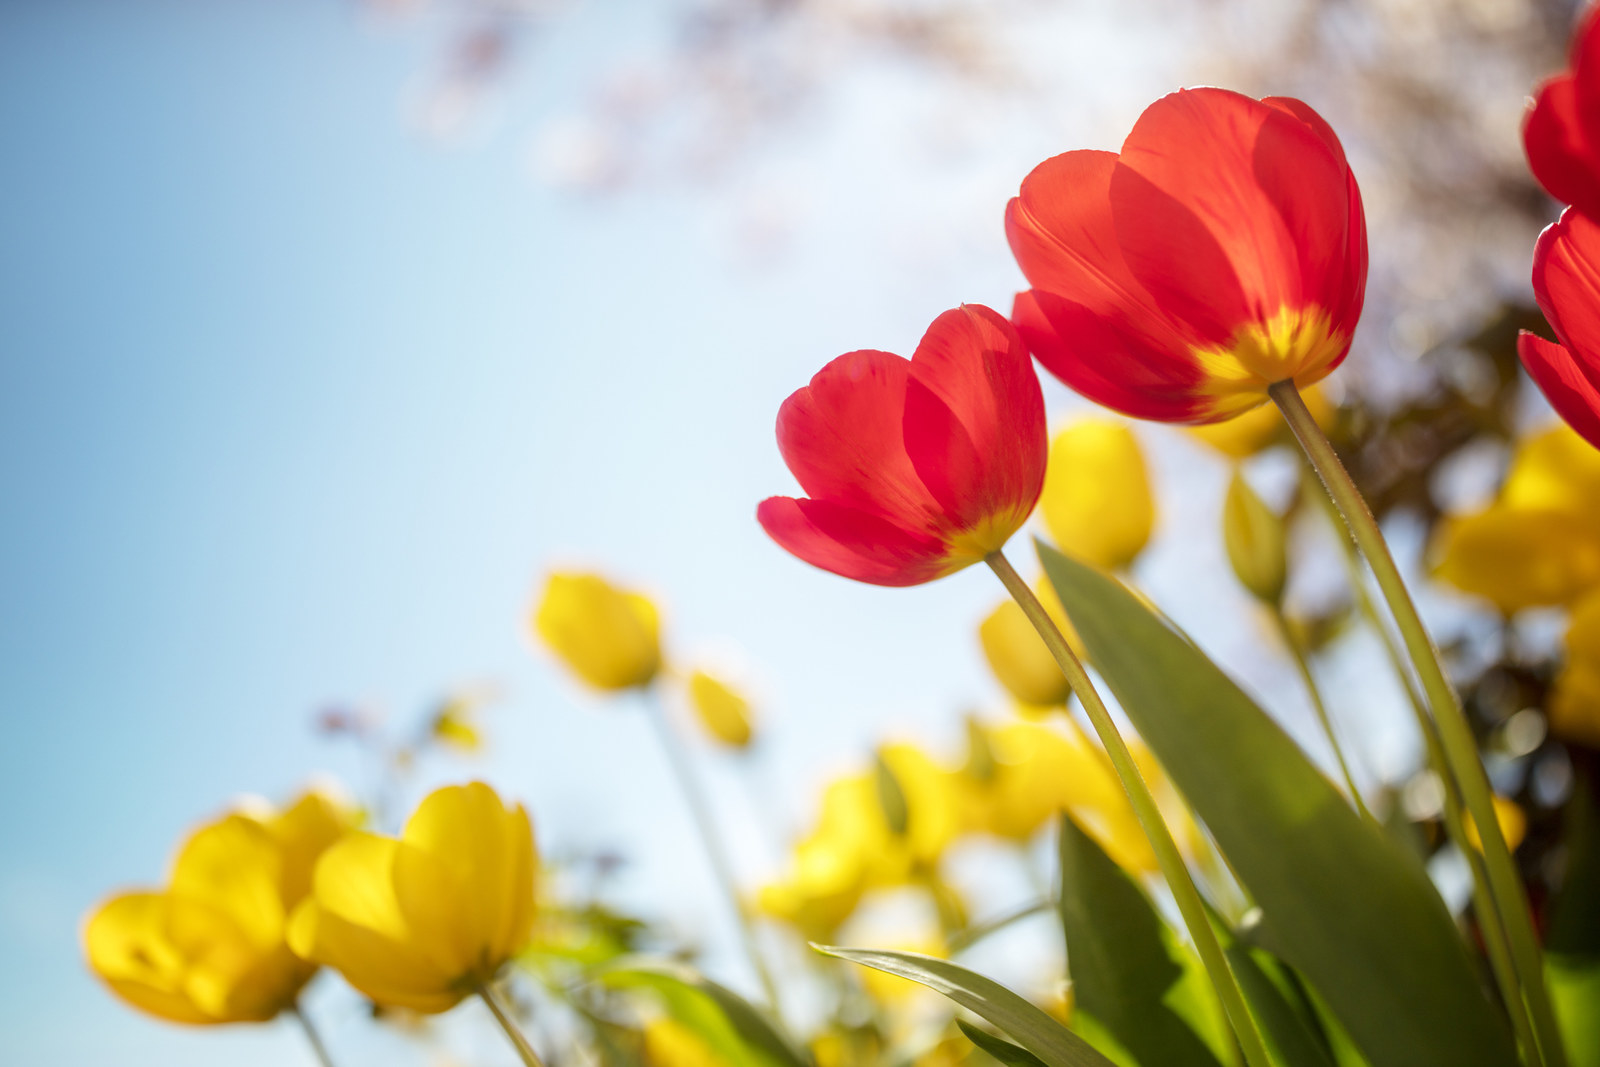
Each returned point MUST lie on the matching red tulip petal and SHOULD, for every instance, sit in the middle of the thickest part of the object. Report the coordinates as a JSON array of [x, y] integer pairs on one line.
[[842, 438], [1584, 59], [975, 422], [852, 543], [1096, 356], [1566, 281], [1560, 153], [1564, 383], [1229, 210]]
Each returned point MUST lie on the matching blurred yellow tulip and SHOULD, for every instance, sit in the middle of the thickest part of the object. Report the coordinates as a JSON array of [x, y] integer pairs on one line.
[[724, 713], [1538, 544], [669, 1043], [1256, 541], [1097, 501], [423, 921], [1575, 698], [1018, 656], [609, 637], [211, 947], [1256, 429]]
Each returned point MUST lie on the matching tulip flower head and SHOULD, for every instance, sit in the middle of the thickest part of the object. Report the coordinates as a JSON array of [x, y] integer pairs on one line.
[[1222, 251], [211, 947], [723, 712], [913, 469], [422, 921], [1561, 132], [609, 637], [1566, 282], [1575, 698]]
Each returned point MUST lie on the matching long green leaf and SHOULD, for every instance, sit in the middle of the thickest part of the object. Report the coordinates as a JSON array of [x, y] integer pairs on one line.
[[1290, 1039], [1128, 971], [1341, 903], [1014, 1016], [719, 1016], [1001, 1049], [1572, 959]]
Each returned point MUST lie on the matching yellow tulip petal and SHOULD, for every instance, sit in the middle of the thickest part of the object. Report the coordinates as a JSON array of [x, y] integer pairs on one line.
[[1513, 824], [1517, 558], [1259, 427], [235, 866], [1554, 470], [1575, 697], [724, 713], [608, 637], [387, 970], [127, 946], [1019, 659], [1097, 500]]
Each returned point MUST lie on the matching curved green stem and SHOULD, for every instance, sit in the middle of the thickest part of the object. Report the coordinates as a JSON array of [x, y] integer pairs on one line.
[[1494, 934], [1457, 745], [1320, 706], [529, 1057], [1173, 868], [700, 810], [313, 1038], [989, 927]]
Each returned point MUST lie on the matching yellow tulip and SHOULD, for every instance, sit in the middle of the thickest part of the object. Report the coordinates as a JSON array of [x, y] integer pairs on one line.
[[1538, 544], [1018, 656], [423, 921], [1575, 698], [1097, 500], [1256, 429], [211, 947], [724, 713], [609, 637], [669, 1043]]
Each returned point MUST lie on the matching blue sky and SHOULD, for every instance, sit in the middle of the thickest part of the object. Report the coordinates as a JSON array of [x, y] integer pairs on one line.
[[298, 407]]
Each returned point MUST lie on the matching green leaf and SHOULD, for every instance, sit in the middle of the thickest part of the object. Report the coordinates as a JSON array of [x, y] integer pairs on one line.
[[1128, 970], [1341, 903], [1001, 1049], [718, 1016], [1289, 1038], [1014, 1016]]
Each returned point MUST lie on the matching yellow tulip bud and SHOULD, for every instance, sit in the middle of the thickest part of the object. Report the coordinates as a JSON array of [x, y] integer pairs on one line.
[[211, 947], [1256, 542], [608, 637], [1017, 654], [1513, 824], [724, 713], [1256, 429], [1575, 698], [1097, 501], [423, 921]]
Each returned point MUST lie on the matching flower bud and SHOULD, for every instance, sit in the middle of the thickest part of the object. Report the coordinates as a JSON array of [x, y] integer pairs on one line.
[[724, 713], [608, 637], [1097, 502], [1255, 539]]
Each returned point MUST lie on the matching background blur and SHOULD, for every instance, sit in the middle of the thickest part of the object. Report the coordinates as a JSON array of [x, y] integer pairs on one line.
[[326, 328]]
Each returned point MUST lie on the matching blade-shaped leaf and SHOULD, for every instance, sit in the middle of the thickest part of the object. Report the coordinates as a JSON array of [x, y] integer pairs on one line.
[[1128, 971], [1341, 903], [1292, 1042], [719, 1016], [1001, 1049], [1014, 1016], [1572, 960]]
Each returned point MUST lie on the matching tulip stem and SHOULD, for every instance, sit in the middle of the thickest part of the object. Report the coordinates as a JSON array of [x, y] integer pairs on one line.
[[965, 939], [700, 810], [1457, 743], [497, 1008], [1173, 868], [313, 1038], [1494, 934], [1303, 663]]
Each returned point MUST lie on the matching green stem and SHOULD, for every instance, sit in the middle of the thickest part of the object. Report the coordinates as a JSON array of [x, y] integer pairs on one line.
[[979, 931], [529, 1057], [700, 810], [312, 1037], [1494, 934], [1320, 706], [1457, 744], [1184, 893]]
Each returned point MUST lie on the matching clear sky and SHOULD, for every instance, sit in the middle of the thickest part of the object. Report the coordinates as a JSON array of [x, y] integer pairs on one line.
[[298, 407]]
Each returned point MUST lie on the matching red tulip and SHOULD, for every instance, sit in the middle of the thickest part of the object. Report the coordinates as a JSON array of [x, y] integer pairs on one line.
[[1223, 250], [1566, 281], [913, 468], [1561, 132]]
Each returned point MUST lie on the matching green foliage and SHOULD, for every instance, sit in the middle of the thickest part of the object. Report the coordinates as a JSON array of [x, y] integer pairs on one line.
[[1001, 1049], [721, 1018], [1341, 902]]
